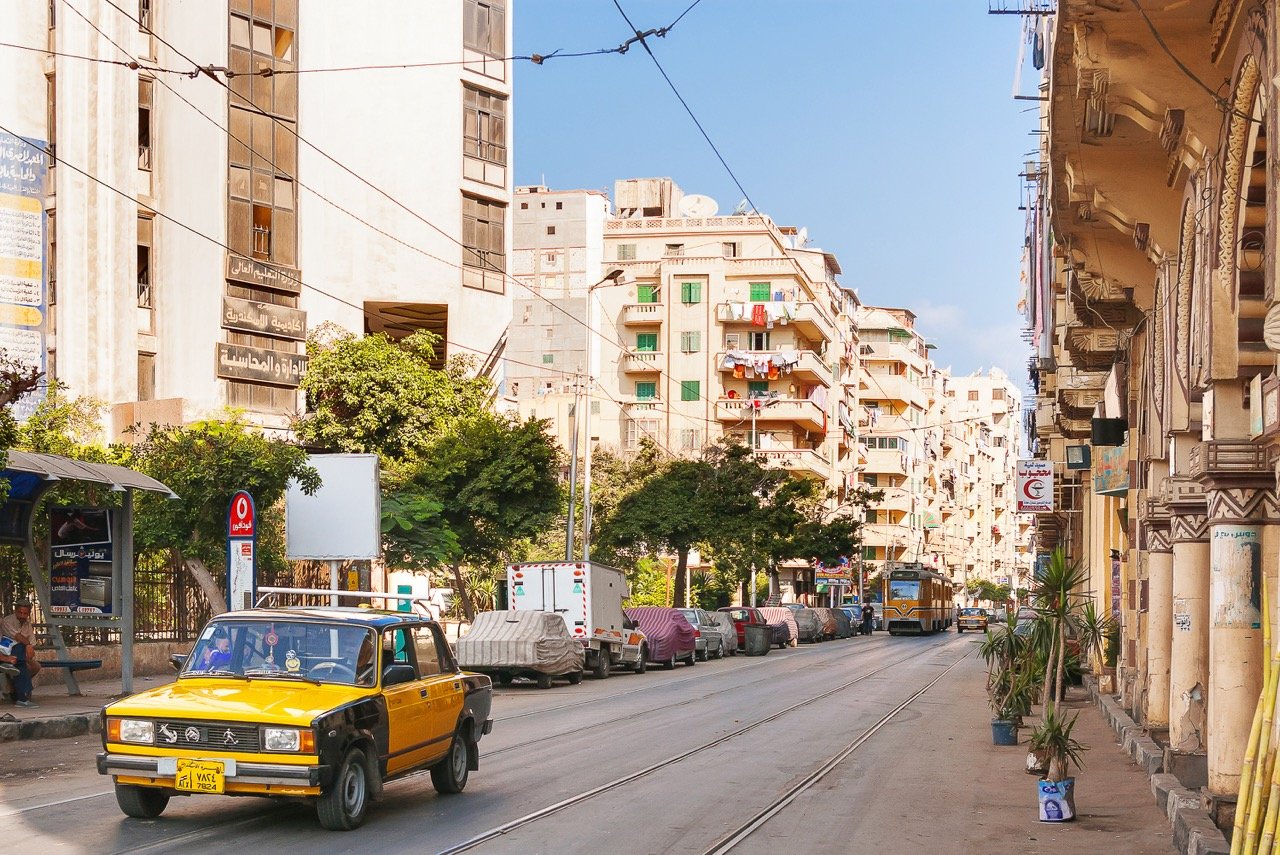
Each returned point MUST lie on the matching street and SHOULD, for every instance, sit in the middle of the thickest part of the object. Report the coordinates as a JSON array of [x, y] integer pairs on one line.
[[847, 746]]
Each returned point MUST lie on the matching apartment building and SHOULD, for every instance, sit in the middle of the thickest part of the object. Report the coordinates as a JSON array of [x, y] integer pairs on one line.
[[894, 413], [195, 230]]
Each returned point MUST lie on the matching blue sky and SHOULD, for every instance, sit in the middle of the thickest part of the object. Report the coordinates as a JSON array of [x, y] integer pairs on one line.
[[887, 129]]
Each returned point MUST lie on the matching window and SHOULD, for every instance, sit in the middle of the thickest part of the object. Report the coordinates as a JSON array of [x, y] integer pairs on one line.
[[595, 408], [758, 341], [646, 391], [626, 252], [51, 259], [524, 206], [146, 376], [559, 206], [428, 648], [868, 553], [690, 390], [691, 341], [690, 439], [485, 26], [548, 358], [144, 15], [51, 113], [638, 429], [759, 292], [146, 298], [484, 126], [757, 388], [729, 249], [690, 292], [731, 341], [871, 479], [53, 13], [647, 294], [674, 249], [483, 234], [261, 232], [647, 342], [973, 394], [997, 394], [145, 86], [551, 230]]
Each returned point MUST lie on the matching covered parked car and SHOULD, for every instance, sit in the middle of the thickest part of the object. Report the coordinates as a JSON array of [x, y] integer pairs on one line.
[[508, 644], [783, 622], [830, 629], [706, 633], [844, 626], [669, 634], [728, 633], [742, 617], [808, 624]]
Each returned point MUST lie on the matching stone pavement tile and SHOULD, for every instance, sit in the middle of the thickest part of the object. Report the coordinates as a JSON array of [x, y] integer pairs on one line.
[[59, 714]]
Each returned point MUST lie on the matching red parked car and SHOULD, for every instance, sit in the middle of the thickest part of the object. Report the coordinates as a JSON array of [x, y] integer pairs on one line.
[[742, 616]]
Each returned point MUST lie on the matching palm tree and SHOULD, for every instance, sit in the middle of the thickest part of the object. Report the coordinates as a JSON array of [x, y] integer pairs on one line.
[[1058, 605]]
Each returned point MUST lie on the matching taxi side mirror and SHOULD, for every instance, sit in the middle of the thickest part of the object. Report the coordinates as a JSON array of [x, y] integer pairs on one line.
[[397, 673], [177, 660]]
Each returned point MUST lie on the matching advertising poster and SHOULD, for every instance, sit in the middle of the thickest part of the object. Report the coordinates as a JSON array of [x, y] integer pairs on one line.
[[81, 570], [22, 262], [839, 575], [1111, 470]]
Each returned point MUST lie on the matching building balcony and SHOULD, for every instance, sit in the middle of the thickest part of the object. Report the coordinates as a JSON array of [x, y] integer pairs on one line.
[[640, 407], [881, 461], [810, 319], [893, 387], [799, 411], [642, 361], [809, 369], [885, 351], [643, 313], [802, 461]]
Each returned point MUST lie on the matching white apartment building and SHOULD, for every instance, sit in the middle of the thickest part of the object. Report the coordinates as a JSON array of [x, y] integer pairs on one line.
[[894, 412], [195, 230]]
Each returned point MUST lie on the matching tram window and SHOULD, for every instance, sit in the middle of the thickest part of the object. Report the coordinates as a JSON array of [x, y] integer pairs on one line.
[[904, 589]]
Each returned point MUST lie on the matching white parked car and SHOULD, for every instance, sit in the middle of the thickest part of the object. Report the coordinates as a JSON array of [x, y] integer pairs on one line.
[[708, 640]]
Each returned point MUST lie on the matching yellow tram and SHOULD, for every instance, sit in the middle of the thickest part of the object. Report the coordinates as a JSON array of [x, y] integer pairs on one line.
[[917, 600]]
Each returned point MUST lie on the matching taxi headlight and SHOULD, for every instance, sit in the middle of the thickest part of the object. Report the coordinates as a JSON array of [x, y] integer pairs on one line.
[[136, 730], [288, 739]]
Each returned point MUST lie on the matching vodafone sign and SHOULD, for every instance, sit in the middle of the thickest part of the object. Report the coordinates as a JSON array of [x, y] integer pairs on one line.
[[1035, 486], [240, 522]]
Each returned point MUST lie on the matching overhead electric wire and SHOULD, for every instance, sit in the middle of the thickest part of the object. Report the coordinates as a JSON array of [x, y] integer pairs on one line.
[[642, 38], [134, 65]]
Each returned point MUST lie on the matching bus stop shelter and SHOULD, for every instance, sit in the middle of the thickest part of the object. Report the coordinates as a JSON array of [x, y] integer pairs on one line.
[[31, 476]]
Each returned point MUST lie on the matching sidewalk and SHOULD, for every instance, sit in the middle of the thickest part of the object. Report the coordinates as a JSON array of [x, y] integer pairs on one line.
[[60, 714]]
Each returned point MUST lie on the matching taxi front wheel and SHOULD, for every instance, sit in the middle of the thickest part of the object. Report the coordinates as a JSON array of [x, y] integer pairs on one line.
[[450, 774], [141, 802], [342, 808]]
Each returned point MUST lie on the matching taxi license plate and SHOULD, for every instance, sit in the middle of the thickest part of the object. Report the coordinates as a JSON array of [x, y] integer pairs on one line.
[[200, 776]]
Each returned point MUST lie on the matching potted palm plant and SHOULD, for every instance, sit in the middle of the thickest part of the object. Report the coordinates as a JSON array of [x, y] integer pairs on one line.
[[1010, 682], [1052, 738]]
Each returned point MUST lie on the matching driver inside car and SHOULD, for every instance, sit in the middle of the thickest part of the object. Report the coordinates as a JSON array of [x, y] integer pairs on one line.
[[365, 662]]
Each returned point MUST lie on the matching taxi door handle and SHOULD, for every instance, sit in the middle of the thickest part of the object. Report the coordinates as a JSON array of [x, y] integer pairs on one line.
[[422, 693]]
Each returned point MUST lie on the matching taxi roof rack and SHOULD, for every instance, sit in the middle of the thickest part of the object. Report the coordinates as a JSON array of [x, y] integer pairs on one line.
[[267, 593]]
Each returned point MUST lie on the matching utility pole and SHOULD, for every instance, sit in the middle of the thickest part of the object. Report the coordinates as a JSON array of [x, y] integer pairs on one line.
[[612, 276], [573, 475]]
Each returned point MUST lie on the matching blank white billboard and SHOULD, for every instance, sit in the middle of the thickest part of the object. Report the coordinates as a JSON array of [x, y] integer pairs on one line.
[[343, 519]]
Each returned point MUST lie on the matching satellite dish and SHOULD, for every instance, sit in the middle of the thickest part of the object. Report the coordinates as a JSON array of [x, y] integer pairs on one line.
[[802, 237], [741, 208], [698, 206]]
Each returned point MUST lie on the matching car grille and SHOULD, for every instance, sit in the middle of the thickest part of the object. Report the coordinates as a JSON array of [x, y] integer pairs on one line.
[[223, 736]]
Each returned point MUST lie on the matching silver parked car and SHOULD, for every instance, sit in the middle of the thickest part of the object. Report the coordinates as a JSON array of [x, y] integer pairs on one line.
[[708, 641]]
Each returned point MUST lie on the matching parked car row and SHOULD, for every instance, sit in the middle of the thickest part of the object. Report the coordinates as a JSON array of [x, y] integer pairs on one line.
[[539, 646]]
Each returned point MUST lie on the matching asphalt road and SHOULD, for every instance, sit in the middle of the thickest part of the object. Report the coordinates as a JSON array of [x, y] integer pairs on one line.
[[749, 754]]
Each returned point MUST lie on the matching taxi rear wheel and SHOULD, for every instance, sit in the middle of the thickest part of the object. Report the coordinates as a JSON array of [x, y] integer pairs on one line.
[[343, 807], [450, 774], [141, 802]]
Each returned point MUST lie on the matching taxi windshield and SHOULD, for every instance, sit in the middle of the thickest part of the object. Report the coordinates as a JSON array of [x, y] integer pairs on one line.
[[329, 653], [981, 612]]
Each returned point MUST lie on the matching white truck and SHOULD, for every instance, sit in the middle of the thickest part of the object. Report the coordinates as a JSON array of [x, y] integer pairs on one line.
[[588, 597]]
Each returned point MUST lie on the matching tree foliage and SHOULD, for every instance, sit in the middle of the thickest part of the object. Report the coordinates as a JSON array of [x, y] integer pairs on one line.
[[373, 394]]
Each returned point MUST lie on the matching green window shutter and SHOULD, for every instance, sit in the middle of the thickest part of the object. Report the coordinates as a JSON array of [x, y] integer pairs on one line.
[[868, 553], [647, 391], [690, 390], [647, 342], [757, 387], [691, 292], [691, 341], [548, 358], [647, 294], [759, 292]]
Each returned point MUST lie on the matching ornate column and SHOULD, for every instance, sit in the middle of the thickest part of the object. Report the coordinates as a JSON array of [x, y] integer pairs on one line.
[[1189, 642], [1159, 610], [1241, 495]]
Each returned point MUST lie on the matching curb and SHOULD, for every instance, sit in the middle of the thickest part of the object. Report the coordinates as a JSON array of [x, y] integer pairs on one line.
[[1194, 832], [54, 727]]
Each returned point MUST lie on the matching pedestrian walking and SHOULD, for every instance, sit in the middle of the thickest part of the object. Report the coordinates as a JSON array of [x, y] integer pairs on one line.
[[868, 618]]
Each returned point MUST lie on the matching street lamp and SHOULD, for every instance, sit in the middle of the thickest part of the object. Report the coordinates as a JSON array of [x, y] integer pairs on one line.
[[612, 276]]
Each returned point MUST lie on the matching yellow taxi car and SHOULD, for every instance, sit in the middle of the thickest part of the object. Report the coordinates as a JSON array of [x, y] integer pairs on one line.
[[327, 704], [975, 619]]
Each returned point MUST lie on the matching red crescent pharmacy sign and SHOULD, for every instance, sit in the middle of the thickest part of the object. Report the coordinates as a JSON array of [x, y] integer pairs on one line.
[[1035, 486]]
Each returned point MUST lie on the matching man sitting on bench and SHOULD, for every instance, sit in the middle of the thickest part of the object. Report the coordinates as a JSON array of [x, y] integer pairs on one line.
[[20, 662]]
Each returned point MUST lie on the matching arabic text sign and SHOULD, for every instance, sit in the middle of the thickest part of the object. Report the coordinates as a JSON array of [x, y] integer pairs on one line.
[[1035, 486], [22, 264], [264, 318], [239, 362]]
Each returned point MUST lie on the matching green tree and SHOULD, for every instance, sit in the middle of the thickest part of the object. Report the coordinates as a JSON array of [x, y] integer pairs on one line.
[[495, 481], [205, 463], [373, 394]]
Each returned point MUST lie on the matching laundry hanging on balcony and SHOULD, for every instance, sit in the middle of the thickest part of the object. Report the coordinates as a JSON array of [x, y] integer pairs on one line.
[[754, 364]]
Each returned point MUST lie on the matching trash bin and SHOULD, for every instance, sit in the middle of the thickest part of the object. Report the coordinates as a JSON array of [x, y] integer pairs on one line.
[[757, 638]]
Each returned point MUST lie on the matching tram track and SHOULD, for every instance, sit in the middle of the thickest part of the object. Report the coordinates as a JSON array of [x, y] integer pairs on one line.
[[618, 783]]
